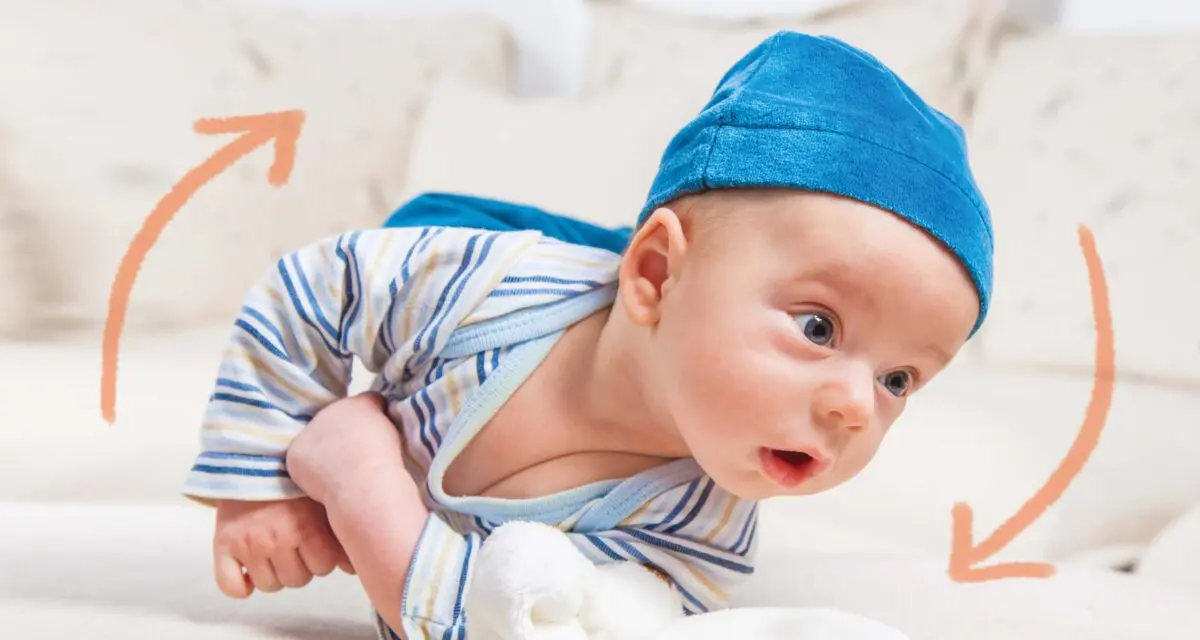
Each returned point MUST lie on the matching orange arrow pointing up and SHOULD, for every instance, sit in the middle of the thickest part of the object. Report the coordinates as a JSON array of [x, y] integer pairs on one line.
[[257, 130], [964, 555]]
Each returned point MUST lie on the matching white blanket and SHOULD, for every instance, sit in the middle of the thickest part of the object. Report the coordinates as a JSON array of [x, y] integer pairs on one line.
[[145, 572]]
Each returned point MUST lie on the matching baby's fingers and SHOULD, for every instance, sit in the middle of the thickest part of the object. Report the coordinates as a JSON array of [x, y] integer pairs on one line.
[[291, 569], [230, 579], [334, 556], [344, 565], [321, 555], [262, 574]]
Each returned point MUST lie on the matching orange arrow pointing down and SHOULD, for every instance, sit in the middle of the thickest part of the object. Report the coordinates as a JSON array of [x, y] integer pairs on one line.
[[964, 555], [256, 130]]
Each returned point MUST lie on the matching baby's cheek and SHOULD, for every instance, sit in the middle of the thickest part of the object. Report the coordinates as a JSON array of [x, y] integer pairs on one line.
[[724, 363], [718, 372], [705, 392]]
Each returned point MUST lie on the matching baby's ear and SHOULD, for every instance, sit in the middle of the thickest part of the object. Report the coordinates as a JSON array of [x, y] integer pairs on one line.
[[651, 265]]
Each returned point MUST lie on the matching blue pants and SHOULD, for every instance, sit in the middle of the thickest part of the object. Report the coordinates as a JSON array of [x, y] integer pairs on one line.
[[454, 210]]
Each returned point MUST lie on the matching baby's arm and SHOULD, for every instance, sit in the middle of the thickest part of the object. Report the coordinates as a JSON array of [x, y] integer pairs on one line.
[[290, 355], [389, 297], [349, 459]]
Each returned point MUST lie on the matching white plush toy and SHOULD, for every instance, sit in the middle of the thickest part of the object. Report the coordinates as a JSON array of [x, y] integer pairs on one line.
[[531, 583]]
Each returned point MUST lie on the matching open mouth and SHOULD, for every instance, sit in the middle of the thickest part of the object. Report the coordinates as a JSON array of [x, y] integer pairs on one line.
[[789, 468]]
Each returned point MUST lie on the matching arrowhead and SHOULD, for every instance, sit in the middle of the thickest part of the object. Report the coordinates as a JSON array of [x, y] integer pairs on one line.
[[965, 554], [282, 126]]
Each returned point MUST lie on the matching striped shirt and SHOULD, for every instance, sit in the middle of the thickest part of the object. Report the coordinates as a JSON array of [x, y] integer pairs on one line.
[[451, 321]]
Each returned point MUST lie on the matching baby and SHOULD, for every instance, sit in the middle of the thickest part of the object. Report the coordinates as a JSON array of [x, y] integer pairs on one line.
[[813, 251]]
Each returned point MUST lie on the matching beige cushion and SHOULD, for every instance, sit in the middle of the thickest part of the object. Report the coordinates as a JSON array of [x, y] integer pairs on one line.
[[1099, 131], [16, 285], [593, 158], [937, 46], [100, 117]]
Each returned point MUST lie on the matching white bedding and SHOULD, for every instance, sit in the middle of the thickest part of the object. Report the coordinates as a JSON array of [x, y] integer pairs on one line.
[[143, 572]]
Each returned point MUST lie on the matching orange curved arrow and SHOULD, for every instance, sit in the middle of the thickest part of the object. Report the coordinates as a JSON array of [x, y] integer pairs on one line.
[[963, 554], [257, 130]]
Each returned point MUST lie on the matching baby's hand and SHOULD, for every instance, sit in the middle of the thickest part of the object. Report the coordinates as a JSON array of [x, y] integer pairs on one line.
[[347, 443], [280, 543]]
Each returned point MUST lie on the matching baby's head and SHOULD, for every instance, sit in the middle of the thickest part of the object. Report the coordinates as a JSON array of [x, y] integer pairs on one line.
[[813, 251]]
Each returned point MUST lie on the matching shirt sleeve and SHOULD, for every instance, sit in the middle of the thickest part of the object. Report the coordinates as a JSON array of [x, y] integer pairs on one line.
[[700, 538], [389, 297], [432, 606]]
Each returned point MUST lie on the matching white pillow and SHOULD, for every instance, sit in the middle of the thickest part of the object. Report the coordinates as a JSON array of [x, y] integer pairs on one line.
[[97, 114], [937, 46], [1102, 131], [743, 8]]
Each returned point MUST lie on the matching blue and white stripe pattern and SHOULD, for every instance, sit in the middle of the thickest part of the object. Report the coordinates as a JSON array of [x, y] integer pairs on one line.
[[452, 321]]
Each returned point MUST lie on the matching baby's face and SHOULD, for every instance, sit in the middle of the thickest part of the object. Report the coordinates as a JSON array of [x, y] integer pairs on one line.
[[792, 335]]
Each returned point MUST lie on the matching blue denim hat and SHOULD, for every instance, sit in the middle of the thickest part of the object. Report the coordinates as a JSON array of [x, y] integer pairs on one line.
[[812, 112]]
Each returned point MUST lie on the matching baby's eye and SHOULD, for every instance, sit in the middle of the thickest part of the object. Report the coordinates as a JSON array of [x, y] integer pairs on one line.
[[896, 382], [817, 328]]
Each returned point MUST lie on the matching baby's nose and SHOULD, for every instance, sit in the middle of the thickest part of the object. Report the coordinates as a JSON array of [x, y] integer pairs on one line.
[[846, 399]]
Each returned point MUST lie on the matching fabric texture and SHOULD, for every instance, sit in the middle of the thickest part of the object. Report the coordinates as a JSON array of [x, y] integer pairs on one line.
[[812, 112], [452, 321]]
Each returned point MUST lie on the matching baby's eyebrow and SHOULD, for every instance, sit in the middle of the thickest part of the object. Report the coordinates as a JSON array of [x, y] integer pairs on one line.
[[841, 278], [937, 353]]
